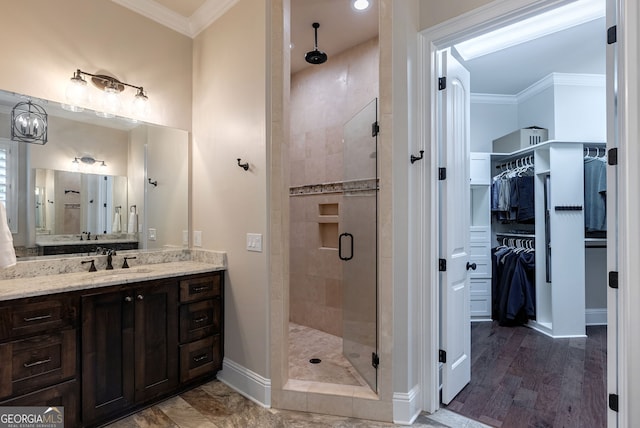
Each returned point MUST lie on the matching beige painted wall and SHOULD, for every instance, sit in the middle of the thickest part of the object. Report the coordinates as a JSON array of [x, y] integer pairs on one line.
[[436, 12], [44, 42], [229, 63]]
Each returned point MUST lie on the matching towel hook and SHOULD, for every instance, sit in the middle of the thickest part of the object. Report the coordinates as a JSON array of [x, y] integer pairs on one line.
[[244, 166], [414, 158], [155, 183]]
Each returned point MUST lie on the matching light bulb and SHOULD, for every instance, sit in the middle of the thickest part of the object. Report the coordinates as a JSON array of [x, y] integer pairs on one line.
[[140, 104], [110, 104], [76, 93]]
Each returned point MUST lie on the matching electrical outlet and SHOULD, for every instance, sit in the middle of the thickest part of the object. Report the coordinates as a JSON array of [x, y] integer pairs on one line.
[[197, 238], [254, 242], [185, 238], [152, 234]]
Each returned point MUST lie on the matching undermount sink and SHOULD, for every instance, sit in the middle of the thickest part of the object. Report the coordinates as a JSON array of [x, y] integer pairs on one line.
[[121, 272]]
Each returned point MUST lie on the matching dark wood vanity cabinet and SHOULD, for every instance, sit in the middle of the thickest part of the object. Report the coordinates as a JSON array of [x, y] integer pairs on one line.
[[105, 352], [201, 320], [39, 353], [129, 348], [146, 341]]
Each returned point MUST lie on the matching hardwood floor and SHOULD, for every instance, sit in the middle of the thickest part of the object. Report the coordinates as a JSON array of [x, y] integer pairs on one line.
[[521, 378]]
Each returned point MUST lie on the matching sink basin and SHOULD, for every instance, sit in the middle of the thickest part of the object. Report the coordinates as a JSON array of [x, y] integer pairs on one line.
[[121, 272]]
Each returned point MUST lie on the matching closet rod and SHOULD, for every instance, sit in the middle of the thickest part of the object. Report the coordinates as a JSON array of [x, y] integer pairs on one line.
[[515, 235]]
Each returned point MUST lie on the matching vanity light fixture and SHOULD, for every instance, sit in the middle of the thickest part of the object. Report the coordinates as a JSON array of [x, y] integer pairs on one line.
[[110, 104], [29, 123]]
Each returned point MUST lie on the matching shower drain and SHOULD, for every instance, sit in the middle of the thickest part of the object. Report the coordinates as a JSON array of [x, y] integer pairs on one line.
[[315, 361]]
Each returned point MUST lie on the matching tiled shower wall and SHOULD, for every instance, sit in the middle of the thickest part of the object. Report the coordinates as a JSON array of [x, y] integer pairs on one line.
[[323, 98]]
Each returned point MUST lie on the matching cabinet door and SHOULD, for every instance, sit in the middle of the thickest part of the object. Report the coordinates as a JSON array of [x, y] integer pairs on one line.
[[107, 355], [156, 345]]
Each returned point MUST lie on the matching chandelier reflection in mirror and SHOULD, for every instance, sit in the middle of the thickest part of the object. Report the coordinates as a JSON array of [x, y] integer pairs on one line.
[[29, 123], [109, 104]]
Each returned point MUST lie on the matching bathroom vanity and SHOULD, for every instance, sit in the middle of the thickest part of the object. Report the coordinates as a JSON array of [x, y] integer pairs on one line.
[[103, 344]]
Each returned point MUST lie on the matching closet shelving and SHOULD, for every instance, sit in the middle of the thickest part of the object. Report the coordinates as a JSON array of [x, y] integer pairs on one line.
[[558, 233]]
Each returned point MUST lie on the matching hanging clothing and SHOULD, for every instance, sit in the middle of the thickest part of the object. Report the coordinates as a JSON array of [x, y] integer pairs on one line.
[[513, 285], [595, 194], [513, 195]]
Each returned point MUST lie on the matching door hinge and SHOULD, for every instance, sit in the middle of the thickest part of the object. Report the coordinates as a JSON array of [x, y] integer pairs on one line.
[[442, 83], [442, 173], [442, 265], [442, 356], [612, 156], [612, 35], [375, 360], [613, 279], [613, 402], [375, 129]]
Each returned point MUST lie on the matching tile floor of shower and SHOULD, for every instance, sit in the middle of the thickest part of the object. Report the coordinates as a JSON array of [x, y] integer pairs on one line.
[[306, 343]]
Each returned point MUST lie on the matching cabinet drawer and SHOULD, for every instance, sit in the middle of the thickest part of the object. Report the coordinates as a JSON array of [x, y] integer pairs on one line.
[[200, 358], [480, 306], [37, 362], [200, 288], [480, 286], [36, 316], [62, 395], [200, 319]]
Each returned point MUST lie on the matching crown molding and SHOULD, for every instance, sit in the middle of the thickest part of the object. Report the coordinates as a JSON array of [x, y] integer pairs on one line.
[[158, 13], [190, 27], [493, 99], [208, 13]]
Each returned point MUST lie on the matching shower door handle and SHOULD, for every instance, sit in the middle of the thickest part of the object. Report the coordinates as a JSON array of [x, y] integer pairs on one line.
[[345, 235]]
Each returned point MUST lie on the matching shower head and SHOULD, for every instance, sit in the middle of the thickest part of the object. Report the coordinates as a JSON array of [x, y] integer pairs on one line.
[[315, 56]]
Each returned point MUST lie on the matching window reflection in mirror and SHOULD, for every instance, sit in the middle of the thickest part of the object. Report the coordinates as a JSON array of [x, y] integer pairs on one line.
[[133, 152]]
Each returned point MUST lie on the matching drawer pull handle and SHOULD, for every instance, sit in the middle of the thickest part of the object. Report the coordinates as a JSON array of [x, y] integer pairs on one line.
[[128, 299], [39, 318], [37, 363], [200, 358], [200, 289], [201, 319], [140, 297]]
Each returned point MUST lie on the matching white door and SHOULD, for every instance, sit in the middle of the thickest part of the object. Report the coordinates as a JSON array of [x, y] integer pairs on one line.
[[454, 143]]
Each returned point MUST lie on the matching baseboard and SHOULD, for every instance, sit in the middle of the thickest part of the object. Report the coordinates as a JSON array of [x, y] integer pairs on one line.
[[246, 382], [596, 316], [406, 407]]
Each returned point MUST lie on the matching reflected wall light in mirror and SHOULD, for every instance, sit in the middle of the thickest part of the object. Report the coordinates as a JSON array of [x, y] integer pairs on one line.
[[87, 160], [109, 104], [29, 123]]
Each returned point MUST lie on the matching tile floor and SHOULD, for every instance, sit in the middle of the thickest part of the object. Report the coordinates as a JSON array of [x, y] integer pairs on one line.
[[215, 405], [306, 343]]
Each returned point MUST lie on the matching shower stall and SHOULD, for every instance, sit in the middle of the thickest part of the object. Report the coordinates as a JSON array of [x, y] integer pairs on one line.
[[333, 334]]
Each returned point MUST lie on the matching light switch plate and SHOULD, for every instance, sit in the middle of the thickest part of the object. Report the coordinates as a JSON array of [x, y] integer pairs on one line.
[[152, 234], [254, 242], [185, 237], [197, 238]]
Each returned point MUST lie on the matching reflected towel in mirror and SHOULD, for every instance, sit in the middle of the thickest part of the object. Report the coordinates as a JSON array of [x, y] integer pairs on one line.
[[7, 252], [116, 228]]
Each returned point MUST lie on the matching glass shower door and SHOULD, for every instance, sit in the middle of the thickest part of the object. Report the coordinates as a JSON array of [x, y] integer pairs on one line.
[[358, 241]]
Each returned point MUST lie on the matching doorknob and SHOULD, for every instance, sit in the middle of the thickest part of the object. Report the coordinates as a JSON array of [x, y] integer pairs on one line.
[[471, 266]]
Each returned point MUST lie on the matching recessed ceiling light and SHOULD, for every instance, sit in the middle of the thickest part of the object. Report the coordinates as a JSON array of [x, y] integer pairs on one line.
[[361, 4], [571, 15]]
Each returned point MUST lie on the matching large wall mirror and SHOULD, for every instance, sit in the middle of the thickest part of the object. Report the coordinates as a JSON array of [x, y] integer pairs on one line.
[[97, 181]]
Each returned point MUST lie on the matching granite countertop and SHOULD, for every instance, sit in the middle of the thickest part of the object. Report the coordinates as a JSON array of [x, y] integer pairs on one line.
[[49, 284], [84, 242]]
